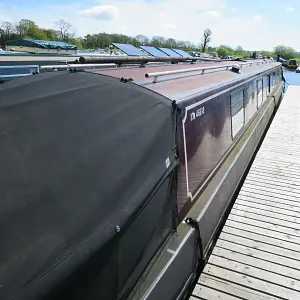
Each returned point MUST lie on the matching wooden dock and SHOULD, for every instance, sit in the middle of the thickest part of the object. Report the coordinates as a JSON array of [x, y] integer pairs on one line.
[[257, 255]]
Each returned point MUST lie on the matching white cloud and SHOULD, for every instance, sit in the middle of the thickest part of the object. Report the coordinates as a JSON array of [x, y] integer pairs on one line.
[[133, 17], [258, 17], [233, 9], [101, 12], [170, 25], [213, 13], [290, 8]]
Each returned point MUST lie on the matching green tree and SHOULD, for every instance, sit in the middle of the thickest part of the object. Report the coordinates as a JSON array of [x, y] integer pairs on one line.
[[158, 41], [36, 33], [24, 26], [266, 53], [142, 39], [171, 43], [285, 51], [239, 50], [65, 30], [224, 50], [206, 39], [7, 32], [51, 34]]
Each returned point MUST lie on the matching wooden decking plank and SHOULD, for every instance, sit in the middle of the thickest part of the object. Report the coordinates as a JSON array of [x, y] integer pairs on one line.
[[259, 263], [266, 239], [269, 182], [267, 207], [268, 195], [232, 288], [257, 253], [208, 293], [277, 161], [266, 232], [275, 184], [251, 282], [278, 169], [270, 198], [272, 193], [268, 219], [245, 269], [240, 217], [270, 190], [283, 180], [276, 165], [260, 245], [293, 222], [287, 205]]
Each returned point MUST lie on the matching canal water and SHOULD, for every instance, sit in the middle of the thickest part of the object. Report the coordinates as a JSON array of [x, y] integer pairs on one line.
[[292, 78]]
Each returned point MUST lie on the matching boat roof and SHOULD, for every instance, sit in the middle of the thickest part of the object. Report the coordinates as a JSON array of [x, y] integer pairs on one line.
[[183, 85], [41, 44]]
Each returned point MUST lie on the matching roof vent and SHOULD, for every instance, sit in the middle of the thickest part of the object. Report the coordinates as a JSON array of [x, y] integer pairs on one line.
[[236, 68]]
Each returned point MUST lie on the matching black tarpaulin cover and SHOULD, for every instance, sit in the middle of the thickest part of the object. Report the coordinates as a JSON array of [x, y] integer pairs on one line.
[[82, 155]]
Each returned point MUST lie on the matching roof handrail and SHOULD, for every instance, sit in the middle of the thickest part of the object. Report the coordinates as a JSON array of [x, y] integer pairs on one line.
[[70, 66], [155, 75]]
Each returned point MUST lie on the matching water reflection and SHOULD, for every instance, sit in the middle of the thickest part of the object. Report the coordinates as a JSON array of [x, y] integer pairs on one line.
[[291, 77]]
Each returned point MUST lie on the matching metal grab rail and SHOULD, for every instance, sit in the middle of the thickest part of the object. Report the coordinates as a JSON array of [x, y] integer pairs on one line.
[[20, 67], [70, 66], [179, 71], [10, 72]]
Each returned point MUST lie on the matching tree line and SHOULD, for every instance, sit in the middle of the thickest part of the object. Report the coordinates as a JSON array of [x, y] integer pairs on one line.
[[64, 31], [29, 29]]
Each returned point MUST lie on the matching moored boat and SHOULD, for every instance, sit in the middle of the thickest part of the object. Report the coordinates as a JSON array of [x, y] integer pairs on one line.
[[291, 64], [117, 180], [39, 52]]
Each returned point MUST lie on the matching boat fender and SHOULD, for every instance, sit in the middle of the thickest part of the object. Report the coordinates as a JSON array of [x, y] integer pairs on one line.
[[194, 224], [201, 262]]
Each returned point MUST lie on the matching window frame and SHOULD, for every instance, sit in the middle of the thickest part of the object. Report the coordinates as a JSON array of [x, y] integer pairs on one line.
[[261, 80], [237, 133]]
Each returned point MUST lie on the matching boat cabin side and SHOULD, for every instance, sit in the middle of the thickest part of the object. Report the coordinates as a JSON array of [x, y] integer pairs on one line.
[[211, 123]]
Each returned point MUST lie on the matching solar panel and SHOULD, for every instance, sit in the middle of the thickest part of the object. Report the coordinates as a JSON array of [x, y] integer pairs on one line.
[[182, 53], [129, 49], [170, 52], [153, 51]]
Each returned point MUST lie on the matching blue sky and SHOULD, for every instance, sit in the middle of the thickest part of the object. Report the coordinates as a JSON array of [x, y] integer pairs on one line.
[[251, 24]]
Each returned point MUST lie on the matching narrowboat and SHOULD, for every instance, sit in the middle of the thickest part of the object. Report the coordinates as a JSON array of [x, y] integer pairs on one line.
[[23, 52], [116, 182], [291, 64]]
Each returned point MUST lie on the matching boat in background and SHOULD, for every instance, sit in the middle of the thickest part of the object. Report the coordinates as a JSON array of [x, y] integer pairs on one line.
[[40, 52], [292, 64]]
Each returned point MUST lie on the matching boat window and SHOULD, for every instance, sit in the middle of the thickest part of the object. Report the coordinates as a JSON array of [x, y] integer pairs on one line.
[[293, 62], [250, 104], [274, 75], [265, 88], [275, 78], [237, 112], [259, 92]]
